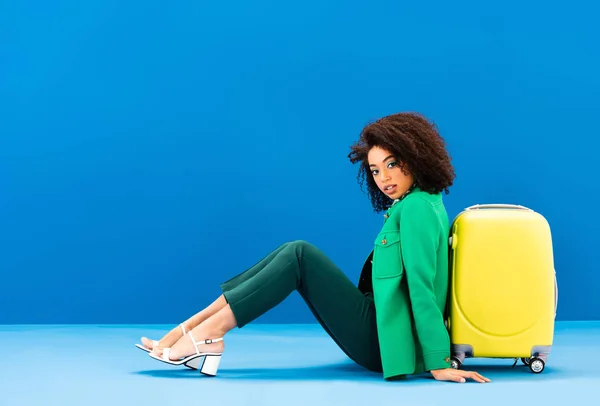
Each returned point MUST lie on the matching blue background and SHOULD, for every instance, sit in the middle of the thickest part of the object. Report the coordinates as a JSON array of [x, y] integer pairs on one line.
[[150, 151]]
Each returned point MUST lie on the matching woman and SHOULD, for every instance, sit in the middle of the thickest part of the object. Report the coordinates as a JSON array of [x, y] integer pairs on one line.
[[393, 322]]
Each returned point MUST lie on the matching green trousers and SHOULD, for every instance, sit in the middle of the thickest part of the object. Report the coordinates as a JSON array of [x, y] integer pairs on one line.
[[345, 313]]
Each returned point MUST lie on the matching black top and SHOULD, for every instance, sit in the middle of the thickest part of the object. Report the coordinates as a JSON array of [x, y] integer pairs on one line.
[[365, 282]]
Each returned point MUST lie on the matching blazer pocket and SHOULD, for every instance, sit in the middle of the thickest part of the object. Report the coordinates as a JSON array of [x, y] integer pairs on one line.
[[387, 257]]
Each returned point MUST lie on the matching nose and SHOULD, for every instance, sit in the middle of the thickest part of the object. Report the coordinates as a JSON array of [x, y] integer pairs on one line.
[[385, 176]]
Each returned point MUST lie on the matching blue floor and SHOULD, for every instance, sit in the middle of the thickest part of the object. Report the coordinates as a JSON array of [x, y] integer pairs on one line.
[[268, 365]]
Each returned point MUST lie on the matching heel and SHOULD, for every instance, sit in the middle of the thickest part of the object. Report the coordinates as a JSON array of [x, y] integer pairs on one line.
[[194, 363], [210, 365]]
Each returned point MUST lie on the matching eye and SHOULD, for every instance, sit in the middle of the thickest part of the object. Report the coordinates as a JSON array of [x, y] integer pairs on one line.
[[374, 171], [391, 164]]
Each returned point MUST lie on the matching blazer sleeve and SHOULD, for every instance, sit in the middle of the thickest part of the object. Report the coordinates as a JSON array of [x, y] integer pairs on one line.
[[419, 236]]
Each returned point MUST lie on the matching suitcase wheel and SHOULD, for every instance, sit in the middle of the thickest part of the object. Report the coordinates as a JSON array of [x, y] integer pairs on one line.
[[455, 363], [536, 365]]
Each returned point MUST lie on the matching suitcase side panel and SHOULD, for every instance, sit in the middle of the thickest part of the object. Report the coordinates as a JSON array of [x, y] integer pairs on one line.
[[502, 283]]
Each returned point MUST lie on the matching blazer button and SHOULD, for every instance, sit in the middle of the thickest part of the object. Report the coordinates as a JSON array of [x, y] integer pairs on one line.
[[384, 241]]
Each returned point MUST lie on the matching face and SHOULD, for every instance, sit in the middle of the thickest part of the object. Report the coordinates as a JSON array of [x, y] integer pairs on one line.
[[386, 171]]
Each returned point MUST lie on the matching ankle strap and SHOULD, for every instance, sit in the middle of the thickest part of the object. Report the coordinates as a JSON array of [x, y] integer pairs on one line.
[[214, 340], [208, 341]]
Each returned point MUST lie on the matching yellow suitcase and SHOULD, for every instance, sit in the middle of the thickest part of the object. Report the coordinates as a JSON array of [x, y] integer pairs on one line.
[[503, 292]]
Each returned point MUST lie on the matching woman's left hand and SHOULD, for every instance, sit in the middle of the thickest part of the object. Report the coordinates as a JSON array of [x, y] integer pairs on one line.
[[457, 375]]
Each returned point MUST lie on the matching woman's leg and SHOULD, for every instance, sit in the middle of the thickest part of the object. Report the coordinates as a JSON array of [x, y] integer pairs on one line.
[[175, 334], [345, 313]]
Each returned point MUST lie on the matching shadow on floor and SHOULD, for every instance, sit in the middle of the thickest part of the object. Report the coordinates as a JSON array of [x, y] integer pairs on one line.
[[341, 371], [353, 372]]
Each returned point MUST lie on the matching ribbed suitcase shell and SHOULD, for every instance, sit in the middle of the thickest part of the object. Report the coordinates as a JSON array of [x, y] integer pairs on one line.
[[503, 291]]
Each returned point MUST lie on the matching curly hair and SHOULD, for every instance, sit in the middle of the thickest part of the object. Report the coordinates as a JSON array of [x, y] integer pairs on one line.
[[416, 143]]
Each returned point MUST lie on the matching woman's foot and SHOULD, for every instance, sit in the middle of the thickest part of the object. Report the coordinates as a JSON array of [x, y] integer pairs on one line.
[[148, 343], [169, 339], [185, 346], [175, 334], [213, 328]]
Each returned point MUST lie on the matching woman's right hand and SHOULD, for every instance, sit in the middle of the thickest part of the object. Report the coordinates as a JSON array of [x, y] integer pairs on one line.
[[457, 375]]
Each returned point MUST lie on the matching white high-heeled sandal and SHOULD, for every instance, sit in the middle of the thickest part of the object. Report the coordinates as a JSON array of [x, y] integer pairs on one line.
[[206, 362]]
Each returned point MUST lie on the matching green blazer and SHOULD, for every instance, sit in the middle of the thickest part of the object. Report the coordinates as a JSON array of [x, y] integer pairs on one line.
[[410, 285]]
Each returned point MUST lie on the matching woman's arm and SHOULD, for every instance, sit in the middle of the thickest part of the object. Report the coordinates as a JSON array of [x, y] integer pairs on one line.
[[420, 236]]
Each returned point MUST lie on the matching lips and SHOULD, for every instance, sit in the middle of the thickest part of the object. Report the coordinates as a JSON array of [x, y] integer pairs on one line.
[[389, 189]]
